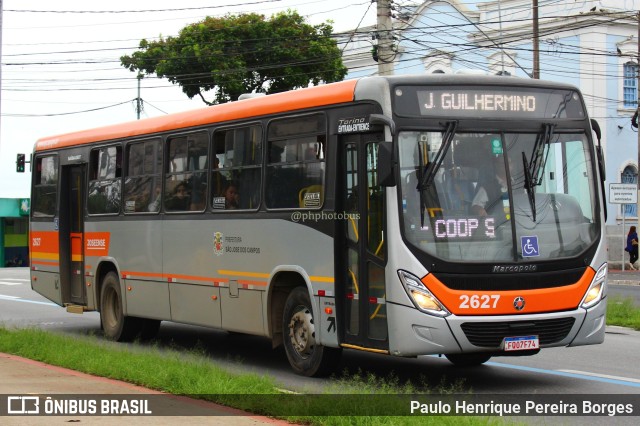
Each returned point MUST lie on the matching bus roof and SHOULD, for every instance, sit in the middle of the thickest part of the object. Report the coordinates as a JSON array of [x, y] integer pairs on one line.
[[328, 94]]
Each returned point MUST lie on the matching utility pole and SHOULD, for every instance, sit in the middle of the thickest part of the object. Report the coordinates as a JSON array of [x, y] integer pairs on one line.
[[139, 99], [637, 112], [536, 42], [386, 54]]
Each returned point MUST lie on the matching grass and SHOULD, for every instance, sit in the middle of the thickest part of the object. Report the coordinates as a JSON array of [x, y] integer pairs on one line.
[[623, 312], [350, 400]]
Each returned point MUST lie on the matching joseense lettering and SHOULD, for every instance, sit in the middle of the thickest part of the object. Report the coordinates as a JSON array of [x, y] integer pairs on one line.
[[96, 243]]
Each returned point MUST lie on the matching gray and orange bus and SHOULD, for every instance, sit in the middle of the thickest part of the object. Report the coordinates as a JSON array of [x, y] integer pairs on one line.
[[404, 215]]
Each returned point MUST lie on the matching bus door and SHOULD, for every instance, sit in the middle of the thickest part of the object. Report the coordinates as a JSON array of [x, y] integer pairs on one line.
[[71, 228], [360, 248]]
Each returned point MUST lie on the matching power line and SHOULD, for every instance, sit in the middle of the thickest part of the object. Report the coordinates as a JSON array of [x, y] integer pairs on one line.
[[66, 113]]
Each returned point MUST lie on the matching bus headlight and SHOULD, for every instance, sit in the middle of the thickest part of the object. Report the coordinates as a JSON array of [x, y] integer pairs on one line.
[[421, 296], [596, 289]]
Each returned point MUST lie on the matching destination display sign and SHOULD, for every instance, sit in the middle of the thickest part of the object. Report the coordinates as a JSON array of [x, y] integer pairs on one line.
[[490, 102]]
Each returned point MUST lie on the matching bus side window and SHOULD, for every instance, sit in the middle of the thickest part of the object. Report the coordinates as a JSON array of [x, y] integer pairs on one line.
[[236, 172], [105, 186], [296, 163], [186, 173], [45, 189], [142, 180]]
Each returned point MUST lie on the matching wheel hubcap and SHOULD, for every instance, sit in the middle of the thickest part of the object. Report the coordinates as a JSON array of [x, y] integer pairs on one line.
[[302, 332]]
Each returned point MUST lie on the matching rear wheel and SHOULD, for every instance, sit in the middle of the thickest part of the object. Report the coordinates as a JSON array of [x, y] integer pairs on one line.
[[468, 360], [305, 356], [115, 324]]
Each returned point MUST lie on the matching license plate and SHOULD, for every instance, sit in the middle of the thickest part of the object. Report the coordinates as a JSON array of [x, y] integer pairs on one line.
[[521, 343]]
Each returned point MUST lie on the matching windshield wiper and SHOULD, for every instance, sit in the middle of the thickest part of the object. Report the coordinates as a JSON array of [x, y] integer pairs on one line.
[[534, 169], [427, 173]]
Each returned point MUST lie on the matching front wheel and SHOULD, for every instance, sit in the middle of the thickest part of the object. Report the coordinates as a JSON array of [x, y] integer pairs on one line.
[[468, 360], [298, 326]]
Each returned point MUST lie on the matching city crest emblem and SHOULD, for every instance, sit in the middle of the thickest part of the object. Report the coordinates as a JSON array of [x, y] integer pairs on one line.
[[218, 248]]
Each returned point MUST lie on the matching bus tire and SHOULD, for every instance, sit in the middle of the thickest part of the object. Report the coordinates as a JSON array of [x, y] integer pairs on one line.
[[115, 324], [298, 329], [468, 360]]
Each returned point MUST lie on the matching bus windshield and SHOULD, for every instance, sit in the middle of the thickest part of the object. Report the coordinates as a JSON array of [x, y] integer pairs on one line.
[[480, 206]]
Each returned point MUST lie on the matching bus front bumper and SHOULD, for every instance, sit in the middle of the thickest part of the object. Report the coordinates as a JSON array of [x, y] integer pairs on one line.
[[414, 333]]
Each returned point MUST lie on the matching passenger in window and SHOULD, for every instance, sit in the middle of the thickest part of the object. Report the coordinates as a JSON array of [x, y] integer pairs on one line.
[[154, 205], [231, 196], [180, 199]]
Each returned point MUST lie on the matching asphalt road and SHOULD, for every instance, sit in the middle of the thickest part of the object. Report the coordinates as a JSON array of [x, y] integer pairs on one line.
[[610, 368]]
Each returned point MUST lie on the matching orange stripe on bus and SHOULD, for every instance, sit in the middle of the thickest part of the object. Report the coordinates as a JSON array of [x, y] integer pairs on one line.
[[243, 273], [329, 94], [552, 299], [42, 262], [144, 274], [164, 277], [48, 256], [250, 282], [330, 280]]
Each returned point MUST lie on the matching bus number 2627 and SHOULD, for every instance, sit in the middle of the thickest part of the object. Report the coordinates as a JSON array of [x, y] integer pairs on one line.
[[479, 302]]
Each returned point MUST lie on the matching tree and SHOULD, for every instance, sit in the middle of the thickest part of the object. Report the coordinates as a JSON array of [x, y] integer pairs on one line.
[[239, 54]]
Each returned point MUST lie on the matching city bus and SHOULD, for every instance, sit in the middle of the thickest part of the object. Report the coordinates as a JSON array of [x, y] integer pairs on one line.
[[406, 215]]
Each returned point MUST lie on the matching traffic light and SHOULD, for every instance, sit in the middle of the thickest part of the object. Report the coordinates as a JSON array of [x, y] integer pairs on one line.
[[20, 163]]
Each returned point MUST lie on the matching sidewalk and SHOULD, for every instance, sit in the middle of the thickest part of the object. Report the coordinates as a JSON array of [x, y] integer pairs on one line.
[[27, 378], [626, 277]]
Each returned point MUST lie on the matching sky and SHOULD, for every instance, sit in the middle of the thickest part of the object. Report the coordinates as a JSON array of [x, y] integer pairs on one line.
[[56, 65]]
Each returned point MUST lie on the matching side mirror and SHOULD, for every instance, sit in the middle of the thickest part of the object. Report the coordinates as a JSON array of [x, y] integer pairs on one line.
[[596, 128], [385, 165]]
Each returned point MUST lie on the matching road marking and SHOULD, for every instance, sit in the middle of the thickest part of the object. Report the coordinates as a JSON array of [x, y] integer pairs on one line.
[[624, 381], [17, 299], [606, 376], [9, 283]]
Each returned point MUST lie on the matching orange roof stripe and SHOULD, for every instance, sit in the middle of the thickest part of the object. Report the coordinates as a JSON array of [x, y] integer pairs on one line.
[[328, 94]]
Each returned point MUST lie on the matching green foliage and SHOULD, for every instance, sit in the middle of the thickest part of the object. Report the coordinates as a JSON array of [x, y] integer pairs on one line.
[[367, 399], [239, 54], [623, 312]]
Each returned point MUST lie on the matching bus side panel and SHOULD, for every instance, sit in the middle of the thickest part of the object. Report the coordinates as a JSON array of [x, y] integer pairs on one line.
[[147, 299], [242, 311], [195, 304], [45, 261], [48, 285], [136, 246]]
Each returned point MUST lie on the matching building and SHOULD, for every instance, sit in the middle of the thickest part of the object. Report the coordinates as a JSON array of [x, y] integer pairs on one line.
[[592, 44], [14, 232]]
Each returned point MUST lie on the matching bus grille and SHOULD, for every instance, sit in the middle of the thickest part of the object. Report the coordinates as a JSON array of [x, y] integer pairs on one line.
[[491, 334], [498, 282]]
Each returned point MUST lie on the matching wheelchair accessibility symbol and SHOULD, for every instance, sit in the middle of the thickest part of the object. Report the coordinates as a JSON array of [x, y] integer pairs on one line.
[[529, 246]]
